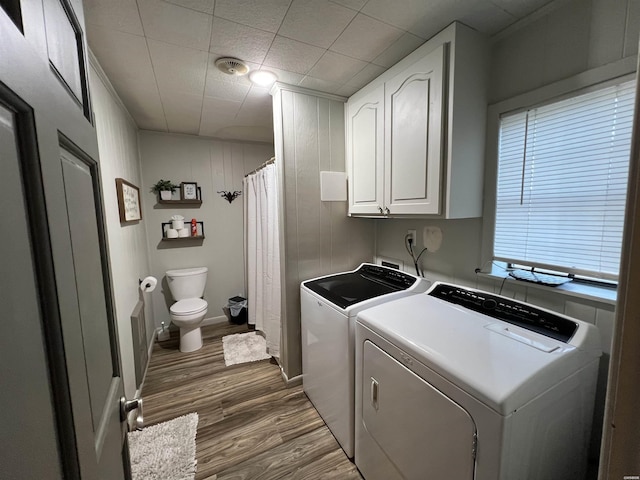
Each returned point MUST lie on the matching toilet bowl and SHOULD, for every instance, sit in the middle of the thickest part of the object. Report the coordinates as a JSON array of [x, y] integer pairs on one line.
[[187, 286]]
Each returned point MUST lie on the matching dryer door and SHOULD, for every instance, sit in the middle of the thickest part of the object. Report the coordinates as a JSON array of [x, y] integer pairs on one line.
[[422, 433]]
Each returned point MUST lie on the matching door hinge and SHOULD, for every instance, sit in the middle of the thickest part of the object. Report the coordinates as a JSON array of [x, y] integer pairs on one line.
[[474, 449]]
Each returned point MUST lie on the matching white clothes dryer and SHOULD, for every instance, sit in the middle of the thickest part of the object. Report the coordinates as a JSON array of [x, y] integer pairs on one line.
[[461, 384], [329, 306]]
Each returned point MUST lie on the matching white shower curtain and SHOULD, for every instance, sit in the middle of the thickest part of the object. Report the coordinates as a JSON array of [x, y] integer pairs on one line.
[[263, 254]]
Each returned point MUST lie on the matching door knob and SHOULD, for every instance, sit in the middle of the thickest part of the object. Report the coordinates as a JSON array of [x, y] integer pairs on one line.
[[127, 406]]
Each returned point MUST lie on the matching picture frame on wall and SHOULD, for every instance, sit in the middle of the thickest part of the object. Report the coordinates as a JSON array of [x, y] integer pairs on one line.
[[128, 201], [188, 191]]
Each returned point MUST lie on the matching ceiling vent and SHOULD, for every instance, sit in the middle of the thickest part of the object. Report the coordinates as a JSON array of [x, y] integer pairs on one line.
[[232, 66]]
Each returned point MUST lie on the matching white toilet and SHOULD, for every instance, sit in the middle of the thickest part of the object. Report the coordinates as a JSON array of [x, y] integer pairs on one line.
[[187, 288]]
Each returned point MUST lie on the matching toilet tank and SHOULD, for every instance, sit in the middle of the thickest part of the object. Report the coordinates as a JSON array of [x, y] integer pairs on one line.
[[187, 282]]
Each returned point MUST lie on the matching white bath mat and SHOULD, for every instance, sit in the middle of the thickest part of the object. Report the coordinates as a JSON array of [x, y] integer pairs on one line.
[[244, 348], [166, 451]]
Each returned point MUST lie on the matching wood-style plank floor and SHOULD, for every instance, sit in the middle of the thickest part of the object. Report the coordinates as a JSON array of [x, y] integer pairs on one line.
[[250, 426]]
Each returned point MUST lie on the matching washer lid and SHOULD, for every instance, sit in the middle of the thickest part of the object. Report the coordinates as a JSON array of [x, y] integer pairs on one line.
[[188, 306], [183, 272]]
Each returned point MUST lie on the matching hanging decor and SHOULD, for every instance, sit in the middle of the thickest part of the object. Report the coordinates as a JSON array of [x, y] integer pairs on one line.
[[229, 196]]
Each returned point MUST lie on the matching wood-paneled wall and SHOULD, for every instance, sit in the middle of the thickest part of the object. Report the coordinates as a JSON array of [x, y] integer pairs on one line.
[[118, 144], [317, 237]]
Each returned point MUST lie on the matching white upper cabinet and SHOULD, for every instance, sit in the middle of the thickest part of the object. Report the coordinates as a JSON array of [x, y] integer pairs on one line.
[[365, 147], [413, 138], [415, 135]]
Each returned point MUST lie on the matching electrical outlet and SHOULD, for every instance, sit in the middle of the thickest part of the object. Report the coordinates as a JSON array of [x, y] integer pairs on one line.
[[412, 235]]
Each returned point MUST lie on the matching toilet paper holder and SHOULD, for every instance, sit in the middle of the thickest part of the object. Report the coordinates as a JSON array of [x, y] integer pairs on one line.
[[148, 284]]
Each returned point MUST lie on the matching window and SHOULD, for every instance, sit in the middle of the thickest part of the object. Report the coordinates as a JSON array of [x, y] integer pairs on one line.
[[562, 182]]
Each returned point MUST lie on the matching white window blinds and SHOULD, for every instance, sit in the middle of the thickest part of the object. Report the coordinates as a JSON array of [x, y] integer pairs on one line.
[[562, 182]]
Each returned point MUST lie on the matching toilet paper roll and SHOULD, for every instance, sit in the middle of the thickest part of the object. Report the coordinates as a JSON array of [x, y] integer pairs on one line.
[[172, 233], [148, 284]]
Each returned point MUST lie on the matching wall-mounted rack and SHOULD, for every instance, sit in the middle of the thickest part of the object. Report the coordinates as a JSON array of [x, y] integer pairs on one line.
[[167, 225]]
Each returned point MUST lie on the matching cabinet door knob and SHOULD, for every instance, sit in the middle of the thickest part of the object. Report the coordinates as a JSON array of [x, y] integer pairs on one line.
[[380, 208], [386, 211]]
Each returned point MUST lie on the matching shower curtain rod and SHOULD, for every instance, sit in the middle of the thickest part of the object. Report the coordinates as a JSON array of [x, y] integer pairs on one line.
[[268, 162]]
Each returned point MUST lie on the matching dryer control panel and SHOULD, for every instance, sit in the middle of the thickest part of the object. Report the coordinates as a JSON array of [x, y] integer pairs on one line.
[[512, 311]]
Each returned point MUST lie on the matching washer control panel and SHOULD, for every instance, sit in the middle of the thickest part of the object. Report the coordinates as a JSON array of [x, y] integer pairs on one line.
[[512, 311]]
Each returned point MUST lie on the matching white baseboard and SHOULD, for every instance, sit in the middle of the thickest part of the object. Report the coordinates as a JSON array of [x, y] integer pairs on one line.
[[290, 382]]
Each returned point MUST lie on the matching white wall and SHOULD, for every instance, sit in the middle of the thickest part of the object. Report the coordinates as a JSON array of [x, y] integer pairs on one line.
[[318, 237], [118, 147], [215, 165], [579, 36]]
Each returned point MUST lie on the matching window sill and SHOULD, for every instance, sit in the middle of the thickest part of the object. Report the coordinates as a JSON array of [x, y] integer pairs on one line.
[[576, 289]]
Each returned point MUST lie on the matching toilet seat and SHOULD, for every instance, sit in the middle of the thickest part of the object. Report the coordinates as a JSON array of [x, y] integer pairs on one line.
[[189, 306]]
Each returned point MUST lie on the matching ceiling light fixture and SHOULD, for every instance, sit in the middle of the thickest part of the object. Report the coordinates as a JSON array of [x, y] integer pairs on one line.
[[232, 66], [263, 78]]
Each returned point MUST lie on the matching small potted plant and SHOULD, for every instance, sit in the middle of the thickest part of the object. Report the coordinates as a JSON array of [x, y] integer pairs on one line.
[[165, 188]]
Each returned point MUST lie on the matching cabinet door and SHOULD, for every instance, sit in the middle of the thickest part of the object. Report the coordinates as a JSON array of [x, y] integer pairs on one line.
[[413, 137], [365, 153]]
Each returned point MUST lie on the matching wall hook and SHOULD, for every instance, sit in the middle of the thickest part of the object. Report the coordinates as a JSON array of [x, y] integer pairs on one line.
[[230, 196]]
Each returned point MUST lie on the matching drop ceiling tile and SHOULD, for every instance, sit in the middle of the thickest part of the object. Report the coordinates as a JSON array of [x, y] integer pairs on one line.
[[205, 6], [352, 4], [520, 8], [178, 68], [183, 112], [240, 41], [365, 38], [317, 22], [365, 75], [121, 15], [291, 55], [285, 76], [487, 18], [347, 90], [320, 85], [402, 47], [403, 16], [235, 91], [337, 68], [125, 59], [216, 113], [257, 108], [176, 25], [431, 24], [263, 14]]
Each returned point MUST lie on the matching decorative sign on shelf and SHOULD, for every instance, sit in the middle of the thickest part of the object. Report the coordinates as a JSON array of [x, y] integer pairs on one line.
[[128, 201], [189, 191]]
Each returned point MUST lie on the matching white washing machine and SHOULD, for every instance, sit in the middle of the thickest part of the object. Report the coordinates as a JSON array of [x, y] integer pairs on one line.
[[329, 306], [461, 384]]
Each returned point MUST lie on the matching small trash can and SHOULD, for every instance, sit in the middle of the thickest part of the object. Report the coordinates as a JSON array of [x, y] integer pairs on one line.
[[238, 310]]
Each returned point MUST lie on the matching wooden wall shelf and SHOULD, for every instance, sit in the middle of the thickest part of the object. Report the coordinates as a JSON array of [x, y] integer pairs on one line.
[[199, 237], [180, 202]]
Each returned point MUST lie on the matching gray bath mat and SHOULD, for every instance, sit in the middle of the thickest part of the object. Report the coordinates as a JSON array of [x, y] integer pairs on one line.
[[244, 348], [166, 451]]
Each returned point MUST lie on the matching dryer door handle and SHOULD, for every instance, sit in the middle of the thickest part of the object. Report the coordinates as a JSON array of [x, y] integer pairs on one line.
[[374, 393]]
